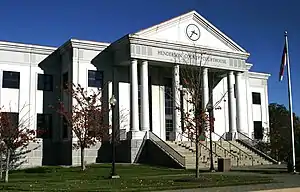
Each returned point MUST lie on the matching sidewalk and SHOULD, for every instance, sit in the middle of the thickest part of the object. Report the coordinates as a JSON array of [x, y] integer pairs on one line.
[[283, 182], [282, 190]]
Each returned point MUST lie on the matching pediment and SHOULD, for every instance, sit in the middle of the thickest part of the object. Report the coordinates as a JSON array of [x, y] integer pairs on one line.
[[191, 29]]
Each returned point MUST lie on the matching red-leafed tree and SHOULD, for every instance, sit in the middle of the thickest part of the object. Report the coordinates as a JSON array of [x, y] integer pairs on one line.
[[85, 117], [15, 136]]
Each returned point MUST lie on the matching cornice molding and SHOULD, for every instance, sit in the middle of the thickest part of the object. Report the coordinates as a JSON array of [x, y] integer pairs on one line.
[[26, 48], [133, 39], [258, 75], [249, 65], [89, 45]]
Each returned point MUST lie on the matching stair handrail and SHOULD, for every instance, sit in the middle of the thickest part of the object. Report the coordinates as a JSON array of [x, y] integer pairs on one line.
[[167, 149], [251, 146], [215, 152], [193, 140], [231, 144], [224, 149]]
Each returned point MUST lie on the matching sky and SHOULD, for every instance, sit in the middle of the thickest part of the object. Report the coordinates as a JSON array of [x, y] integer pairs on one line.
[[257, 25]]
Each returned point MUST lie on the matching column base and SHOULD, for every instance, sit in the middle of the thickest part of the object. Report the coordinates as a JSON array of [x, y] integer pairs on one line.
[[230, 136], [132, 135]]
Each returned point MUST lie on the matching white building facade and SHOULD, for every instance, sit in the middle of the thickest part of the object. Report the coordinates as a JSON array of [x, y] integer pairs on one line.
[[143, 71]]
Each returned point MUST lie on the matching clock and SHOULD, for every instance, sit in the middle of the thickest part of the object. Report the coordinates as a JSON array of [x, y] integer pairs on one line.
[[193, 32]]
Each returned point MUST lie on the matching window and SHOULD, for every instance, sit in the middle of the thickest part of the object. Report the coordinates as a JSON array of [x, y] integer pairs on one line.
[[13, 118], [44, 126], [95, 78], [169, 128], [65, 80], [256, 98], [45, 82], [168, 96], [65, 128], [258, 130], [11, 79]]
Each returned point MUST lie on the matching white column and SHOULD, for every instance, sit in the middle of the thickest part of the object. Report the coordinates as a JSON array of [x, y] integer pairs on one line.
[[239, 123], [134, 132], [231, 104], [176, 102], [205, 98], [145, 125]]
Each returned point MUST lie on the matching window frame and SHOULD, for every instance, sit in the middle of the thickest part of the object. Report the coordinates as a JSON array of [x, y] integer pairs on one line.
[[255, 99], [93, 77], [49, 127], [10, 82], [42, 82]]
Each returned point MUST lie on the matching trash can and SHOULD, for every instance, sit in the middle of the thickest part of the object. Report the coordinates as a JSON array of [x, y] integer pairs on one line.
[[224, 164]]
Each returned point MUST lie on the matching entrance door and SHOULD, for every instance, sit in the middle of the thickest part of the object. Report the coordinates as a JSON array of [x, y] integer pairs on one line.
[[258, 130], [168, 109]]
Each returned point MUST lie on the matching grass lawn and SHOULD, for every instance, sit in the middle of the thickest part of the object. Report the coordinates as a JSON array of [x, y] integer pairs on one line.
[[133, 178]]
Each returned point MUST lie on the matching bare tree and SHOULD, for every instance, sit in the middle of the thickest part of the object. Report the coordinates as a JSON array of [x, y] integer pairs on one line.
[[195, 118]]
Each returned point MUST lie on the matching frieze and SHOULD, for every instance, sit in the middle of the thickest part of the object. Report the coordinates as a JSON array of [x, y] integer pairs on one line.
[[185, 57]]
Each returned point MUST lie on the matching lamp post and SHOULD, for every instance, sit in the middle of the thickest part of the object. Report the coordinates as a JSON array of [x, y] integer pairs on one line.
[[112, 102], [209, 108]]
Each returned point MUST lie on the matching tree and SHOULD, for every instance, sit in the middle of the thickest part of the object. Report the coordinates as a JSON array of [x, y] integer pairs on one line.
[[85, 118], [280, 131], [15, 136]]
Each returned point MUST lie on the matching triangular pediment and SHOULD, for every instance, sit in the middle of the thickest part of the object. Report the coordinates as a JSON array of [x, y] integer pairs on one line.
[[191, 29]]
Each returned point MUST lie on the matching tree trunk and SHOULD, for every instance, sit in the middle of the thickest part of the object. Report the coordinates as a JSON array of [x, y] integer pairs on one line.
[[1, 165], [7, 165], [82, 159], [197, 156]]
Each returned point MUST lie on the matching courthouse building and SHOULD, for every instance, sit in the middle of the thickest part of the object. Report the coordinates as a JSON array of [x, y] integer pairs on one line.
[[142, 70]]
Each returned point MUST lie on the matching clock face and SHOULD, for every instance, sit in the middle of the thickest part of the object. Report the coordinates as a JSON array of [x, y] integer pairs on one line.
[[193, 32]]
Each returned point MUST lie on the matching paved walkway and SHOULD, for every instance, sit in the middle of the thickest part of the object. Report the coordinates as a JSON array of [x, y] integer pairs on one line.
[[285, 182]]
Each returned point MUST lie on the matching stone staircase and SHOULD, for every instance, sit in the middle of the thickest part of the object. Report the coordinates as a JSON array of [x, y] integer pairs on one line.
[[239, 154]]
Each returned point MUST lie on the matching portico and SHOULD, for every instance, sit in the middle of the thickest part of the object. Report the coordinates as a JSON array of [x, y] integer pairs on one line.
[[160, 52]]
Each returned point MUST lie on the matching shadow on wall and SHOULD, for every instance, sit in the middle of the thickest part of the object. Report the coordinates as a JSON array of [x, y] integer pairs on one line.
[[55, 150], [150, 154]]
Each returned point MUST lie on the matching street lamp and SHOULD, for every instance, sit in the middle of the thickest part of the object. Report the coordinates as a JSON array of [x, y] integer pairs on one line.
[[209, 108], [113, 102]]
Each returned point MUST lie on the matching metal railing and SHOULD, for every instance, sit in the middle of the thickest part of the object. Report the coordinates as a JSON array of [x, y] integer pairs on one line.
[[253, 144], [193, 141], [240, 152], [224, 150], [167, 149], [215, 148]]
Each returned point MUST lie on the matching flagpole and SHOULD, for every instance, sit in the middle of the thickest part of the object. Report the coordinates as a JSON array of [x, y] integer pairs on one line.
[[290, 101]]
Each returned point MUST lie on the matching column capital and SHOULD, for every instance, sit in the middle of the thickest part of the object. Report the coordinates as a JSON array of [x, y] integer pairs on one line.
[[230, 73], [132, 60], [238, 73]]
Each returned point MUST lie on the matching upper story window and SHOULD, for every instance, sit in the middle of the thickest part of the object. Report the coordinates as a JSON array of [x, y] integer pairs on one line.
[[65, 80], [11, 79], [95, 78], [256, 99], [45, 82]]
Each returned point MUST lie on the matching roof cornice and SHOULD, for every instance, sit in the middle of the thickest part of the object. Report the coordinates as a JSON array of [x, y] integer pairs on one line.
[[90, 45], [26, 48], [258, 75], [135, 39]]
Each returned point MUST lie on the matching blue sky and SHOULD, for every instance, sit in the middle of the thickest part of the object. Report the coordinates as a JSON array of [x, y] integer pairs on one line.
[[258, 26]]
